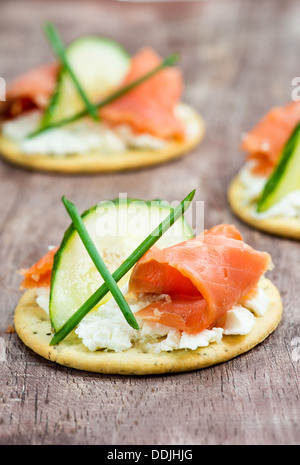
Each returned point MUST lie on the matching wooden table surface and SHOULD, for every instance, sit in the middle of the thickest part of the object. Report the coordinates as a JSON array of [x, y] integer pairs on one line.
[[238, 59]]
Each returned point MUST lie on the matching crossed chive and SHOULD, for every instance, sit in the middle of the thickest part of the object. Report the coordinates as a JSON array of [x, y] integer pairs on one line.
[[91, 108], [110, 280]]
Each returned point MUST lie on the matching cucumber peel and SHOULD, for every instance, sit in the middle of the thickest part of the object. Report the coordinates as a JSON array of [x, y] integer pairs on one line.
[[59, 49], [99, 64], [99, 263], [286, 175], [116, 228]]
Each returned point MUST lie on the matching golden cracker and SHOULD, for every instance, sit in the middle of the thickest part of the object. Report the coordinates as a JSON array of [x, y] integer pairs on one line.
[[278, 226], [32, 324], [102, 162]]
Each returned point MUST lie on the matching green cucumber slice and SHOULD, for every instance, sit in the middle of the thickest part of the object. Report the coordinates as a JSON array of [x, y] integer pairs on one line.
[[286, 175], [117, 227], [99, 63]]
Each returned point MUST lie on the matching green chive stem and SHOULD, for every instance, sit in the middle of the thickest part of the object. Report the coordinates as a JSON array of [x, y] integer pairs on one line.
[[90, 303], [59, 49], [264, 203], [169, 61], [99, 263]]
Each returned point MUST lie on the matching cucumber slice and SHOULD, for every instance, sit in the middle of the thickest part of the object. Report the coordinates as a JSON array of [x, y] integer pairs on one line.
[[285, 177], [99, 63], [117, 228]]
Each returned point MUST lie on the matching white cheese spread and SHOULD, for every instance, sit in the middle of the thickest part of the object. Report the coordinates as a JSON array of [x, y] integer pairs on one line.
[[257, 304], [43, 296], [238, 320], [288, 206], [253, 184], [176, 340], [86, 136], [106, 327]]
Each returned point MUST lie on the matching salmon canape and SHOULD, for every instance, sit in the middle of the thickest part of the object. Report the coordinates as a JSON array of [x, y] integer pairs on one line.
[[98, 108], [186, 302], [266, 192]]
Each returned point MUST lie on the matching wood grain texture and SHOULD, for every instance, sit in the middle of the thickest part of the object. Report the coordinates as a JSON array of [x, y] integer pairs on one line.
[[238, 60]]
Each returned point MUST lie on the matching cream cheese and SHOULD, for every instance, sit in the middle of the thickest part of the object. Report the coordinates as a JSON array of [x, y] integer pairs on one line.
[[257, 304], [176, 340], [253, 185], [288, 206], [238, 320], [43, 296], [86, 136], [106, 327]]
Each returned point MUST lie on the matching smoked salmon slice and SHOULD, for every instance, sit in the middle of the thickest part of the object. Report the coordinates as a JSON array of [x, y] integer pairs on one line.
[[31, 90], [196, 281], [150, 106], [202, 278], [39, 274], [266, 140]]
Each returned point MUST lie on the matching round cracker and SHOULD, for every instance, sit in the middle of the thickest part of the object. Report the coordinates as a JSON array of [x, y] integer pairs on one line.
[[97, 162], [277, 225], [33, 327]]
